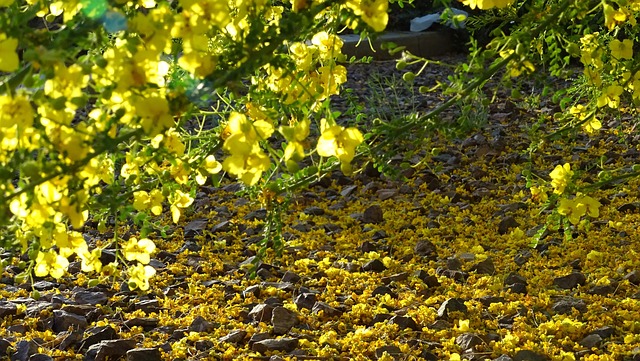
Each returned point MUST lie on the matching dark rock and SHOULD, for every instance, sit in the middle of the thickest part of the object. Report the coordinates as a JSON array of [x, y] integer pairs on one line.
[[383, 290], [439, 325], [4, 346], [527, 355], [109, 350], [305, 300], [199, 324], [603, 290], [429, 280], [522, 257], [204, 345], [454, 264], [570, 281], [224, 226], [373, 214], [257, 337], [290, 277], [592, 340], [331, 228], [90, 298], [398, 277], [488, 300], [24, 350], [144, 354], [604, 332], [147, 323], [313, 211], [195, 227], [565, 305], [280, 344], [517, 288], [380, 317], [629, 207], [374, 266], [45, 285], [425, 248], [633, 277], [63, 320], [326, 309], [40, 357], [404, 322], [467, 341], [147, 306], [251, 290], [235, 336], [503, 358], [261, 312], [516, 283], [97, 335], [451, 305], [506, 224], [8, 309], [390, 350], [283, 320], [484, 267], [367, 246], [258, 214], [69, 339], [458, 276]]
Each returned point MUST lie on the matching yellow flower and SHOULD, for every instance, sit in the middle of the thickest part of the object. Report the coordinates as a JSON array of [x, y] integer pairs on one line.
[[179, 200], [9, 60], [91, 260], [339, 142], [592, 206], [572, 210], [560, 177], [610, 96], [15, 111], [538, 194], [372, 12], [621, 49], [154, 114], [139, 276], [50, 263], [295, 135], [487, 4], [140, 251], [248, 168], [211, 165]]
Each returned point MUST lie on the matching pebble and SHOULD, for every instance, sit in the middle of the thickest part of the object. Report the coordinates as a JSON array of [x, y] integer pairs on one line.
[[275, 344]]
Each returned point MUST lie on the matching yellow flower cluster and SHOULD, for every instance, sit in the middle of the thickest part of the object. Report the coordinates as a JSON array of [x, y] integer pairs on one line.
[[487, 4], [247, 160], [577, 207]]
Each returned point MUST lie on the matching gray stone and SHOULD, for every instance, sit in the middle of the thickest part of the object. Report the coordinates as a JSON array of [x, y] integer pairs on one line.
[[451, 305], [528, 355], [282, 320], [97, 335], [144, 354], [506, 224], [405, 322], [235, 336], [391, 350], [398, 277], [90, 298], [305, 300], [109, 350], [592, 340], [521, 258], [570, 281], [199, 324], [503, 358], [40, 357], [261, 312], [467, 341], [313, 211], [63, 320], [8, 309], [565, 305], [484, 267], [147, 323], [326, 309], [24, 350], [425, 248], [273, 344], [633, 277], [373, 214], [374, 266]]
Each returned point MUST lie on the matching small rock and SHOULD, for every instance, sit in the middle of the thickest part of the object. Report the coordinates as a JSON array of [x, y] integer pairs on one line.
[[305, 300], [24, 350], [195, 227], [224, 226], [109, 350], [144, 354], [261, 312], [272, 344], [484, 267], [425, 248], [63, 320], [380, 317], [488, 300], [90, 298], [147, 323], [390, 350], [604, 332], [454, 264], [45, 285], [290, 277], [603, 290], [398, 277], [629, 207], [40, 357], [373, 214], [503, 358], [199, 324], [96, 335], [257, 215], [506, 224], [516, 283], [451, 305], [633, 277], [8, 309], [147, 306], [439, 325], [528, 355], [4, 346], [383, 290], [326, 309], [404, 322], [522, 257], [565, 305], [283, 320], [570, 281], [592, 340], [235, 336], [429, 280], [374, 266], [204, 345], [313, 211], [467, 341]]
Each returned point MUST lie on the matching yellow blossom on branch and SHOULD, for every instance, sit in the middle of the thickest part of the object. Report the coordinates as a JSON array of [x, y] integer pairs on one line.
[[9, 60], [178, 201], [621, 49], [50, 263], [138, 250], [487, 4], [139, 276], [560, 177]]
